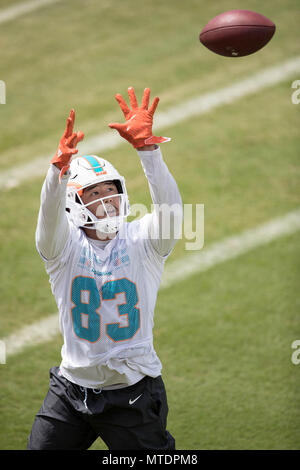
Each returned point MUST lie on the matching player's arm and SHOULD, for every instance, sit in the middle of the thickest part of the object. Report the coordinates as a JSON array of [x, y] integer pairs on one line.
[[137, 130], [166, 221], [52, 230]]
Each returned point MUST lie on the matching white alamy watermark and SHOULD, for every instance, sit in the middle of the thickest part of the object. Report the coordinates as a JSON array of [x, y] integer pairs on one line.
[[2, 352], [166, 222], [296, 94], [2, 92], [296, 354]]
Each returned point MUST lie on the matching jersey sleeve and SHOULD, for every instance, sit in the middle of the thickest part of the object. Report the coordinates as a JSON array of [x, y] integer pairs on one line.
[[163, 226], [52, 232]]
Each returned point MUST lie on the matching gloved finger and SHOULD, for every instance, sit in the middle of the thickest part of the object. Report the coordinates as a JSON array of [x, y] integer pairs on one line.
[[70, 124], [154, 105], [115, 125], [146, 97], [123, 105], [73, 140], [80, 136], [68, 129], [122, 129], [132, 97]]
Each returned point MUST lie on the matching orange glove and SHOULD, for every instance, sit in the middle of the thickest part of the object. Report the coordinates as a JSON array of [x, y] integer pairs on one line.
[[67, 146], [138, 126]]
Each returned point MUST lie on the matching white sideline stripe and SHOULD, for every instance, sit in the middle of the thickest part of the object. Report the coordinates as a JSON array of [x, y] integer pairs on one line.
[[193, 107], [37, 333], [229, 248], [13, 12]]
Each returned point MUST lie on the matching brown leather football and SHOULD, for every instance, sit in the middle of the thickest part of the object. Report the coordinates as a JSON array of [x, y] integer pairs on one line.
[[237, 33]]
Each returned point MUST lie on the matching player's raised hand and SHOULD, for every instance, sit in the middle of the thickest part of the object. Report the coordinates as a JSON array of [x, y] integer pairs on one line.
[[67, 145], [139, 120]]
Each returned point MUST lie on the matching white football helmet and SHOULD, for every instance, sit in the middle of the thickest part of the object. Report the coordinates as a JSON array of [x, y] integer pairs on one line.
[[87, 171]]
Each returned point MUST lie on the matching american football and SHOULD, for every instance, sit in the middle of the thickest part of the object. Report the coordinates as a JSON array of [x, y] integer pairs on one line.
[[237, 33]]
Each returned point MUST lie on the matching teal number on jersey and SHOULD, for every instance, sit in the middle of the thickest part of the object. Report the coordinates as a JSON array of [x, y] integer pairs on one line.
[[109, 291], [86, 306], [87, 301]]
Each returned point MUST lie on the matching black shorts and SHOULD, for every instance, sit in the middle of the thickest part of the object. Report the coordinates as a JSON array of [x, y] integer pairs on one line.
[[73, 417]]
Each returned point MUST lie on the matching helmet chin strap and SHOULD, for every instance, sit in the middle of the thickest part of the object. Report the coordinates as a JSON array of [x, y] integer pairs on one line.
[[105, 237], [107, 226]]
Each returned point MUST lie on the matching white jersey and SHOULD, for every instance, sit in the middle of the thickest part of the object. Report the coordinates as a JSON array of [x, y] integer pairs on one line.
[[105, 292]]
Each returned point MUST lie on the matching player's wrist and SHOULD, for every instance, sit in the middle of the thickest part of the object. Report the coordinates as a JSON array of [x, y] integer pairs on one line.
[[58, 165], [147, 148]]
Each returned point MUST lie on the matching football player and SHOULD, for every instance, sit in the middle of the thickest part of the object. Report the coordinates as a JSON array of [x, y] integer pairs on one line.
[[105, 274]]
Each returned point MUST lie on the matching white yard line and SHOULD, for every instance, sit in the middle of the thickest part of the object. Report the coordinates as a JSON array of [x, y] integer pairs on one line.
[[225, 250], [19, 9], [36, 333], [230, 248], [195, 106]]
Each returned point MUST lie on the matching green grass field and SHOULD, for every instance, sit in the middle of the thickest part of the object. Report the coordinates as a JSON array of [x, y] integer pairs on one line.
[[224, 336]]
